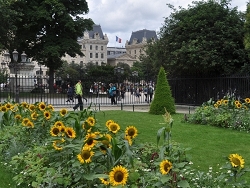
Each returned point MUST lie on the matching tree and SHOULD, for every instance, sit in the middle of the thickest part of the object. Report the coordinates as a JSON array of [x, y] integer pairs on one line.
[[163, 96], [47, 30], [205, 39]]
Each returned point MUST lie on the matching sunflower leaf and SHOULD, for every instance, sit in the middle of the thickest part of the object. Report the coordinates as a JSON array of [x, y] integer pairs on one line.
[[159, 132]]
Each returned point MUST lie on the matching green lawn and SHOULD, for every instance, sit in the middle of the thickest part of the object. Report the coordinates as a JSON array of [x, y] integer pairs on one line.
[[209, 145]]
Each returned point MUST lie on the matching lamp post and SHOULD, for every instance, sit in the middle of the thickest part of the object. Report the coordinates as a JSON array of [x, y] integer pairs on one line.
[[15, 66], [118, 71]]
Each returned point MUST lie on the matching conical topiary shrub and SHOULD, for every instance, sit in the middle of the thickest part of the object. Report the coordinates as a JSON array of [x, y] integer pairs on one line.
[[162, 97]]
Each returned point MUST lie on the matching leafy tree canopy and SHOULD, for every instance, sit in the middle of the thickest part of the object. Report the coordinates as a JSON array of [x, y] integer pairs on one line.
[[47, 30], [204, 39]]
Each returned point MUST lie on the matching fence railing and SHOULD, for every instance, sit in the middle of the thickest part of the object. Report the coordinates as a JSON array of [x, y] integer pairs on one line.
[[186, 91]]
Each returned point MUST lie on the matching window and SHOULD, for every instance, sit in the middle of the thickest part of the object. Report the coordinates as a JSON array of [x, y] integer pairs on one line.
[[96, 55], [102, 55], [90, 55], [90, 47], [96, 47], [135, 51], [101, 47], [96, 63]]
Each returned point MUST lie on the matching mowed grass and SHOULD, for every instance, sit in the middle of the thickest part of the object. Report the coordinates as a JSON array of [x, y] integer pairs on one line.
[[210, 146]]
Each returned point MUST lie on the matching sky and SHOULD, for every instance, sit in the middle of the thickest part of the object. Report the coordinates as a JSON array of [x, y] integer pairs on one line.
[[122, 17]]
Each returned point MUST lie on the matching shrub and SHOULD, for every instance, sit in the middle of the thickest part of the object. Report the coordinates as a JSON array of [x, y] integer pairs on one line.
[[163, 97]]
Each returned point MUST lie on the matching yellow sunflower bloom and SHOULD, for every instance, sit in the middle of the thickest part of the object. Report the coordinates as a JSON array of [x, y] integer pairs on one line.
[[118, 176], [59, 124], [34, 116], [47, 115], [90, 139], [4, 109], [236, 102], [32, 107], [70, 132], [91, 121], [18, 117], [104, 181], [129, 139], [55, 131], [55, 144], [225, 102], [165, 166], [131, 131], [247, 100], [8, 106], [25, 104], [114, 127], [25, 121], [42, 106], [51, 107], [63, 112], [30, 124], [85, 155], [236, 160], [238, 105], [218, 102], [108, 123]]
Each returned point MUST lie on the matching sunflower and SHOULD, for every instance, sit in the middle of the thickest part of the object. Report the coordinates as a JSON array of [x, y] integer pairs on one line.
[[18, 117], [4, 109], [8, 106], [131, 131], [25, 104], [25, 121], [70, 132], [108, 123], [129, 139], [114, 127], [85, 155], [105, 143], [54, 131], [51, 107], [104, 181], [90, 139], [30, 124], [216, 105], [58, 124], [47, 115], [42, 106], [225, 102], [247, 100], [63, 112], [55, 144], [118, 176], [236, 160], [32, 107], [165, 166], [34, 116], [218, 102], [91, 121], [236, 102], [238, 105]]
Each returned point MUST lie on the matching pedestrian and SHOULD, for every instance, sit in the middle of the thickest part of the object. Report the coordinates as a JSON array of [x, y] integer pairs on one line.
[[150, 93], [145, 91], [70, 93], [79, 95], [112, 93]]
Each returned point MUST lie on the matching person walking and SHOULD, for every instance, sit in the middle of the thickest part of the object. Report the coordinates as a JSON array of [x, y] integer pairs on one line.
[[70, 93], [112, 93], [79, 95]]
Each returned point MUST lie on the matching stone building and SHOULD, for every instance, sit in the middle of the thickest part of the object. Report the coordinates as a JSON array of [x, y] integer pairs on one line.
[[94, 47]]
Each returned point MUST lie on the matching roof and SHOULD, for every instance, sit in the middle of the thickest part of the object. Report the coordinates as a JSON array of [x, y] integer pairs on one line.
[[148, 34], [96, 29]]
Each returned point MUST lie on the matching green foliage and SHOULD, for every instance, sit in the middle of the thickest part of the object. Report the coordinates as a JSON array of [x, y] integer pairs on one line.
[[227, 112], [204, 39], [162, 97]]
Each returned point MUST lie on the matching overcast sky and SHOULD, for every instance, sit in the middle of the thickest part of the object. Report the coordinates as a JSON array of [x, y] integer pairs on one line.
[[122, 17]]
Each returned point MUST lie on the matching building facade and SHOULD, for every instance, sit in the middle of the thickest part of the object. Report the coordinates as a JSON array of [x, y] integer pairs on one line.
[[93, 46]]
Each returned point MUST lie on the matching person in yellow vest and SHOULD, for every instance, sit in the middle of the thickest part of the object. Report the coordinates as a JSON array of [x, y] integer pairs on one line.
[[79, 95]]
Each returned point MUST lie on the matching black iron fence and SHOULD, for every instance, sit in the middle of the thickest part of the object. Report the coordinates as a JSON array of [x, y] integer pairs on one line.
[[186, 91]]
